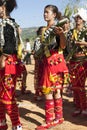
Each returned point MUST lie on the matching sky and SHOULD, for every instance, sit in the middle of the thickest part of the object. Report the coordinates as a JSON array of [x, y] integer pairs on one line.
[[29, 13]]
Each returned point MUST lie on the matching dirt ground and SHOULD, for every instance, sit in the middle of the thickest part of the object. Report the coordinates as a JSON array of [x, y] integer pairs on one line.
[[32, 112]]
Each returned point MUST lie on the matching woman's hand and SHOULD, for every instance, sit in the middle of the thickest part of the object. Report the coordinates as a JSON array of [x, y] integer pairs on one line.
[[2, 61], [81, 43], [58, 30]]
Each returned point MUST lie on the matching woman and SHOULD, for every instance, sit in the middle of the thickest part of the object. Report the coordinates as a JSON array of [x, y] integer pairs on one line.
[[54, 67], [77, 41], [10, 68], [38, 65]]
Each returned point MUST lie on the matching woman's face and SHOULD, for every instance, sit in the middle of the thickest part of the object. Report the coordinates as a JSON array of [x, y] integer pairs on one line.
[[48, 14], [1, 11], [78, 20], [66, 26]]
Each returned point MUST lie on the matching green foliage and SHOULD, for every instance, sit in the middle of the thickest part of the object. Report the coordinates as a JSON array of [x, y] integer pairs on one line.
[[68, 11], [72, 7], [29, 33]]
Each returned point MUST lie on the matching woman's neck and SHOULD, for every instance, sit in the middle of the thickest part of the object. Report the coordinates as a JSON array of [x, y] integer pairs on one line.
[[6, 15], [50, 23]]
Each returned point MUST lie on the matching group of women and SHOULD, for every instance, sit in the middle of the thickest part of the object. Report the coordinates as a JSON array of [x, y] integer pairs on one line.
[[59, 43]]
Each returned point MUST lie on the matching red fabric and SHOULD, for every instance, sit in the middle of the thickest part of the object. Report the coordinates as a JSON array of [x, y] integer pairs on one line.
[[5, 127], [8, 86], [78, 71], [10, 64], [2, 112], [13, 65], [49, 110], [7, 98], [7, 89], [13, 113], [59, 62], [3, 124], [58, 108], [54, 65]]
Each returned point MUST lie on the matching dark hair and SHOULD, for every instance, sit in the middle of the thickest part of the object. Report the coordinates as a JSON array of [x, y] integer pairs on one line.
[[27, 40], [55, 10], [10, 4], [39, 30]]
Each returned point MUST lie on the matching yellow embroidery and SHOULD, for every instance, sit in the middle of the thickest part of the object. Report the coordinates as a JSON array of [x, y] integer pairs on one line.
[[75, 35], [53, 78], [47, 90], [60, 50]]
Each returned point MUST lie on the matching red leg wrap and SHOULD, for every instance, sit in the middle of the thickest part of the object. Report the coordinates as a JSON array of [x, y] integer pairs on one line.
[[3, 125], [58, 109], [49, 110], [80, 99], [82, 96], [2, 111], [14, 114], [76, 100]]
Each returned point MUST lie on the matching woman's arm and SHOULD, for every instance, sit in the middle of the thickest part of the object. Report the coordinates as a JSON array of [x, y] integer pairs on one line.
[[84, 43]]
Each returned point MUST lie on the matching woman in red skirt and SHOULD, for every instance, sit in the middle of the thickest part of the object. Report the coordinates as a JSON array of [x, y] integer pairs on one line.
[[9, 65], [54, 68], [77, 43]]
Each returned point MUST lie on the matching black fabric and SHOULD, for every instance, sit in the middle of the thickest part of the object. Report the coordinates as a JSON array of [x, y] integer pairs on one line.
[[10, 40], [56, 45], [58, 42]]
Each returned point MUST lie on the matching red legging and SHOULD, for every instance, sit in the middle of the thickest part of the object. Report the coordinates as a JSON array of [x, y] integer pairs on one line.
[[12, 111], [7, 100], [53, 110], [58, 109], [78, 73], [49, 110]]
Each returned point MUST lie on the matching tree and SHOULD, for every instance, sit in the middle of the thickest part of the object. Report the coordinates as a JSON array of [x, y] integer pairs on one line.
[[72, 7]]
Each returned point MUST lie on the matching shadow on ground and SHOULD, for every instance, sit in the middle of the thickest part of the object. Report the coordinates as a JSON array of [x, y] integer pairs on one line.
[[68, 108]]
